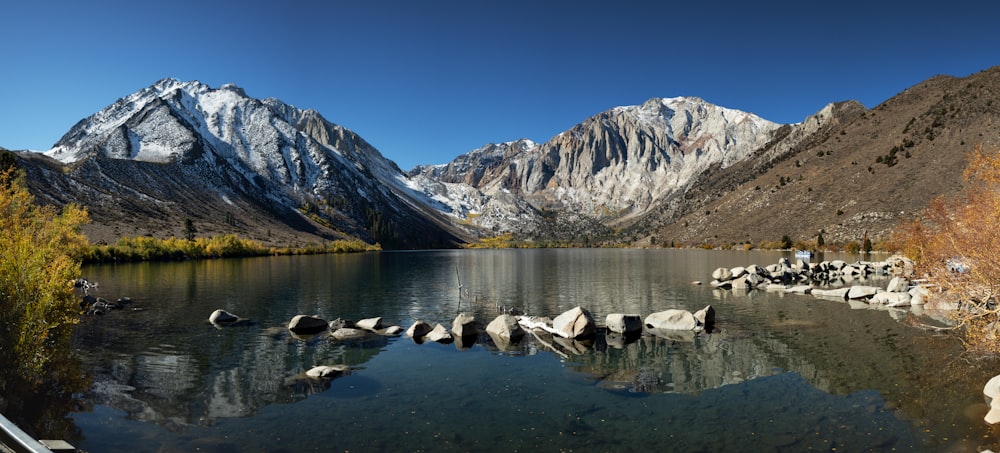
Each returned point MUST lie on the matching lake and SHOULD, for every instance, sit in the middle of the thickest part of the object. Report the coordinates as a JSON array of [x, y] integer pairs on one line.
[[778, 372]]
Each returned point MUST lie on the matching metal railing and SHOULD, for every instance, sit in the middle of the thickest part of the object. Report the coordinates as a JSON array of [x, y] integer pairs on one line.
[[18, 441]]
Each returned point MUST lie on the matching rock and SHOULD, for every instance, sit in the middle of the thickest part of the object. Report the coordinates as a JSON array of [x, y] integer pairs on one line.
[[222, 317], [862, 292], [720, 284], [839, 293], [754, 280], [350, 333], [620, 323], [439, 334], [837, 264], [418, 330], [306, 325], [919, 295], [898, 285], [464, 325], [992, 388], [799, 289], [993, 416], [327, 371], [87, 301], [705, 317], [891, 299], [506, 327], [992, 393], [740, 283], [391, 331], [672, 319], [574, 323], [722, 274], [738, 271], [340, 322], [372, 324]]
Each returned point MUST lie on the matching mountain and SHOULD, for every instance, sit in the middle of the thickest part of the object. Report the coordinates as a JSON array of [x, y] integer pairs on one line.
[[671, 170], [601, 173], [231, 163], [846, 172]]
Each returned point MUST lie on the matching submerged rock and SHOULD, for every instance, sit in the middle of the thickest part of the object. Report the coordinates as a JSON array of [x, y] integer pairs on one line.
[[350, 333], [327, 371], [222, 317]]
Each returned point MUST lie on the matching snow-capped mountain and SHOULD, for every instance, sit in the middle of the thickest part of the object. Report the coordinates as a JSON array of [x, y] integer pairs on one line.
[[226, 146], [609, 168], [222, 145]]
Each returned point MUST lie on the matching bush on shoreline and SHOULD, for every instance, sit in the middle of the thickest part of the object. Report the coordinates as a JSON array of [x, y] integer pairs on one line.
[[40, 260], [131, 249], [956, 245]]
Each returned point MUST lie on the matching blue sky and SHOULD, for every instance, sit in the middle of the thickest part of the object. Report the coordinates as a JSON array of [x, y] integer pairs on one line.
[[425, 81]]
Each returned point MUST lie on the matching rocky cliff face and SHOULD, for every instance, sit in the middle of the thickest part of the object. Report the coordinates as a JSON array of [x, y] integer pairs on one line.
[[610, 168]]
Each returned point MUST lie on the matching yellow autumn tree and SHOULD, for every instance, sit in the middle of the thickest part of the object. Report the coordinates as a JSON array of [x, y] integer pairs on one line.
[[40, 250], [956, 245]]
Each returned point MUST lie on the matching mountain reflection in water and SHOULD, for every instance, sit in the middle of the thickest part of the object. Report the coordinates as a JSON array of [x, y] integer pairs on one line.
[[777, 371]]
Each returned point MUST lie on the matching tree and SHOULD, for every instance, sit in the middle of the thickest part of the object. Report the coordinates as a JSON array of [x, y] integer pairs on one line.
[[189, 229], [42, 250], [961, 230], [819, 240], [786, 242]]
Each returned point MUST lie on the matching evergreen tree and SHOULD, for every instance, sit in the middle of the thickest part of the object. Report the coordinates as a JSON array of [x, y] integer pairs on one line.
[[189, 229]]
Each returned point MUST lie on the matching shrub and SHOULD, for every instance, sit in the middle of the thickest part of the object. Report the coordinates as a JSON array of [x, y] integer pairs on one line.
[[40, 261], [963, 229]]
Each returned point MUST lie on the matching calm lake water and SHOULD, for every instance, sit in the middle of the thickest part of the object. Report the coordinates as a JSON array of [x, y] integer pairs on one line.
[[778, 373]]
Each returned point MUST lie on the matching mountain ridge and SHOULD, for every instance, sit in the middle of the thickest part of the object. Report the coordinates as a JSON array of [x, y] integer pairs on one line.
[[670, 170]]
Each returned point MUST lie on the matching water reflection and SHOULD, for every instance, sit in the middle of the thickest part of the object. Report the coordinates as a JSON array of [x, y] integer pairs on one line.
[[163, 365], [39, 404]]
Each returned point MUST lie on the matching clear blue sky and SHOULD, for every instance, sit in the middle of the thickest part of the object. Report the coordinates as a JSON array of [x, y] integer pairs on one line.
[[425, 81]]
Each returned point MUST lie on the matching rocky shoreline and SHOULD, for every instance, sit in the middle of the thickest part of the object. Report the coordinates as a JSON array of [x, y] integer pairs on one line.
[[830, 280]]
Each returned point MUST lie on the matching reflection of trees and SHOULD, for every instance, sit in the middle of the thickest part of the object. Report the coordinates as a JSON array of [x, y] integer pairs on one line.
[[40, 406]]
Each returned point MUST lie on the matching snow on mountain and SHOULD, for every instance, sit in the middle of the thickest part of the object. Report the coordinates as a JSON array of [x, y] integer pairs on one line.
[[290, 156], [613, 166]]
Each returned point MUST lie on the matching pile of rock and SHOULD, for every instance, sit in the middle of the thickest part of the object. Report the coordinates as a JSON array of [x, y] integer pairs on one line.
[[340, 329], [573, 330], [817, 278]]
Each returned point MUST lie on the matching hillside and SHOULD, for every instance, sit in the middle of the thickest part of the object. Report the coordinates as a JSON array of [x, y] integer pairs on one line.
[[865, 173]]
